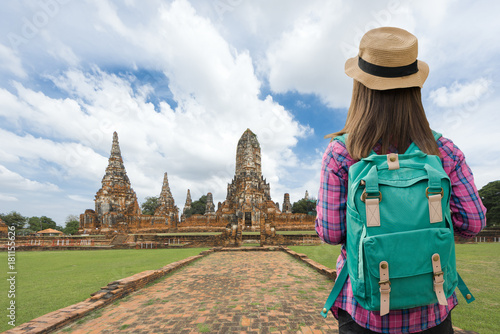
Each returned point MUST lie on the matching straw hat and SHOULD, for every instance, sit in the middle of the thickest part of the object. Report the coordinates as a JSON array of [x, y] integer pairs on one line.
[[387, 59]]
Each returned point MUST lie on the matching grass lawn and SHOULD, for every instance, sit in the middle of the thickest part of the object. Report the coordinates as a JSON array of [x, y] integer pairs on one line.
[[50, 280], [297, 232], [284, 232], [180, 234], [479, 266]]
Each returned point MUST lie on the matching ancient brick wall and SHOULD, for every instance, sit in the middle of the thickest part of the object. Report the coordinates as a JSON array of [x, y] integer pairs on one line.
[[203, 223], [294, 222], [4, 229]]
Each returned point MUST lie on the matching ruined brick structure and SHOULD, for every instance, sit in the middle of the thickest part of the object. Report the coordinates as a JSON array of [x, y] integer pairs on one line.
[[188, 203], [116, 206], [210, 207], [287, 206], [248, 199], [187, 206], [248, 205], [4, 229], [116, 200], [167, 207]]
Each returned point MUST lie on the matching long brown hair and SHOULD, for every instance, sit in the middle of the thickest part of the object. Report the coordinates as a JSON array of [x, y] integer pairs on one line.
[[394, 116]]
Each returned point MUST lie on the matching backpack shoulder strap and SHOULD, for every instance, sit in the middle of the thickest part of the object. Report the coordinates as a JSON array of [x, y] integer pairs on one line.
[[341, 139], [464, 290], [337, 287], [437, 135]]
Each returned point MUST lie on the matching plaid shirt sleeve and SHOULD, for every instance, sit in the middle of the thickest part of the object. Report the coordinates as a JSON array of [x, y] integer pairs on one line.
[[332, 196], [468, 215], [468, 211]]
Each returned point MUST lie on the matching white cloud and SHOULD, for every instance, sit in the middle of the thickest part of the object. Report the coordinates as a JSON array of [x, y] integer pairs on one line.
[[72, 159], [460, 94], [10, 179], [10, 62], [79, 198], [59, 50], [466, 114], [8, 198]]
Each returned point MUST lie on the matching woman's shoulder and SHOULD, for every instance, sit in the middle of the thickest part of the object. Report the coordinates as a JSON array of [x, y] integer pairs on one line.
[[337, 152], [448, 147], [451, 155], [338, 148]]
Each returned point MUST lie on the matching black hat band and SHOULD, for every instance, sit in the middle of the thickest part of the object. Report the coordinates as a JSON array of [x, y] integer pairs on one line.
[[387, 72]]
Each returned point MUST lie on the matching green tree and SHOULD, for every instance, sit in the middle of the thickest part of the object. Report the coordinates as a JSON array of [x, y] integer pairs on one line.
[[150, 204], [307, 206], [41, 223], [197, 207], [72, 225], [490, 195], [14, 219], [25, 231]]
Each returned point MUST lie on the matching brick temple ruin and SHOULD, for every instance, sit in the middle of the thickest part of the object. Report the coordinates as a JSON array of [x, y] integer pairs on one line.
[[248, 205], [4, 229]]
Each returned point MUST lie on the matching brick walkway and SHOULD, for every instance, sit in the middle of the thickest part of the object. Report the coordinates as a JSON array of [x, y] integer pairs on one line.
[[225, 292]]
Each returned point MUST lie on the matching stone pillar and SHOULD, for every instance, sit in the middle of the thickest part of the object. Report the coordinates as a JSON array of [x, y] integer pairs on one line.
[[262, 233], [287, 207], [188, 203], [210, 207], [239, 233]]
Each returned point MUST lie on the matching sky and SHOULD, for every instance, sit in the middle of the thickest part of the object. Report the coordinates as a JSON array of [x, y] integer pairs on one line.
[[181, 80]]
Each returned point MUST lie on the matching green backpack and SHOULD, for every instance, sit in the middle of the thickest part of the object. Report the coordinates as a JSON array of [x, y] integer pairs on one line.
[[400, 244]]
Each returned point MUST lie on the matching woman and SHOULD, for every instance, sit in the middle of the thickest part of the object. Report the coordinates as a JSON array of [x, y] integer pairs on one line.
[[386, 114]]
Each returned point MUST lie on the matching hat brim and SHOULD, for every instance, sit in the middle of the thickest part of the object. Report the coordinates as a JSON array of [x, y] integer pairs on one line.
[[380, 83]]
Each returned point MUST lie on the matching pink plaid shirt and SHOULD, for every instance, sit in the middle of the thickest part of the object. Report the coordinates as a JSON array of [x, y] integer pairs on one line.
[[468, 215]]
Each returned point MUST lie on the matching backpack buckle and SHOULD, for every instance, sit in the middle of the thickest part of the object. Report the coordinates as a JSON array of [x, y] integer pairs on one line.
[[438, 273], [365, 196], [385, 282], [427, 192]]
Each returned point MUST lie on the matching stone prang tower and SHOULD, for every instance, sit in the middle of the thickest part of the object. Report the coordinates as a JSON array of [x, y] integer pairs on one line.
[[116, 206], [188, 203], [248, 197], [167, 207], [116, 199]]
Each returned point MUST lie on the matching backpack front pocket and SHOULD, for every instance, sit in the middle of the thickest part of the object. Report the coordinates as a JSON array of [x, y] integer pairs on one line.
[[409, 257]]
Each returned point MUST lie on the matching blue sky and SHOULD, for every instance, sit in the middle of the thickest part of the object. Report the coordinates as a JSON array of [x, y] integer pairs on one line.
[[181, 80]]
